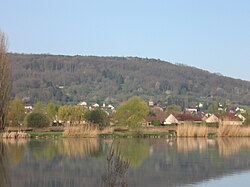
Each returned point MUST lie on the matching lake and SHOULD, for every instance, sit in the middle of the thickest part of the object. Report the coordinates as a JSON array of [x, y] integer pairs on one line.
[[129, 162]]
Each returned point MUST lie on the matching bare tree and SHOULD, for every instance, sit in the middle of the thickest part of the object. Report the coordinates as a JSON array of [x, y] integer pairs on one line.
[[5, 78]]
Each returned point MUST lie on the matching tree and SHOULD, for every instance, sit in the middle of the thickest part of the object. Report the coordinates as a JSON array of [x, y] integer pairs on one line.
[[51, 111], [36, 119], [97, 116], [132, 112], [173, 109], [16, 112], [39, 107], [71, 113], [5, 79]]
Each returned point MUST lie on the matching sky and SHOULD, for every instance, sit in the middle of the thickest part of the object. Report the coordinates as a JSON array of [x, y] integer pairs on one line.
[[213, 35]]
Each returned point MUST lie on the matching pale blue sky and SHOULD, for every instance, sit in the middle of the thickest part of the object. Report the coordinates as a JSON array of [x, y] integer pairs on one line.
[[210, 34]]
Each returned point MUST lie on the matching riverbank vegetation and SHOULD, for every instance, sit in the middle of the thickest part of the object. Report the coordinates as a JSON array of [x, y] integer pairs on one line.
[[132, 118]]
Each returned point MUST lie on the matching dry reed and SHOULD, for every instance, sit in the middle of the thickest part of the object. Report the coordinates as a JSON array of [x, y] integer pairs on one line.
[[88, 130], [188, 130], [233, 131]]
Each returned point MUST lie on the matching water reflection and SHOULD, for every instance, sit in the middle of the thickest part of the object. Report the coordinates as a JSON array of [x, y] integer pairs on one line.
[[84, 147], [153, 162], [116, 170], [4, 173], [231, 146], [190, 144], [15, 149], [133, 150]]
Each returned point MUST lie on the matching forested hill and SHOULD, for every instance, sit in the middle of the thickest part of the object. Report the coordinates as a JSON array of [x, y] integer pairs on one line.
[[114, 79]]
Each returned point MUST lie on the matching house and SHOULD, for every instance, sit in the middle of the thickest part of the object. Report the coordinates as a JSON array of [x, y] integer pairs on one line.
[[150, 103], [28, 108], [191, 110], [171, 120], [231, 119], [82, 104], [96, 105], [111, 107], [241, 117], [188, 117], [240, 110], [212, 119]]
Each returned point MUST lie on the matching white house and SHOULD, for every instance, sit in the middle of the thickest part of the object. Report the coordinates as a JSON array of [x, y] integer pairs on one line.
[[170, 120]]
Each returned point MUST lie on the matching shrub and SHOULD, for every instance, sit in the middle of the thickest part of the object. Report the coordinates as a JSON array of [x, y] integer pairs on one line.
[[97, 116], [155, 122], [215, 125], [36, 119]]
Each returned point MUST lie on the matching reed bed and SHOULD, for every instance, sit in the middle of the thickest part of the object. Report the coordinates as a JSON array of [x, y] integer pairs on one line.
[[233, 131], [14, 135], [107, 130], [188, 130], [87, 130]]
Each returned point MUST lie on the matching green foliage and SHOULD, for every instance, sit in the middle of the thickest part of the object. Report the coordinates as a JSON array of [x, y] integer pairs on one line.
[[71, 113], [16, 112], [173, 109], [155, 122], [132, 112], [51, 110], [247, 116], [39, 107], [95, 78], [215, 125], [133, 150], [36, 119], [97, 116], [247, 121]]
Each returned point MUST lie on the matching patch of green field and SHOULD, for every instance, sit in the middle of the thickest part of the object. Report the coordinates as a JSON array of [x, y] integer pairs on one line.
[[45, 134], [135, 134]]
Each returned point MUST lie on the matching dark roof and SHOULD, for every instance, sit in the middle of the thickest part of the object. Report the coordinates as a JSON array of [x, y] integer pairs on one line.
[[188, 117]]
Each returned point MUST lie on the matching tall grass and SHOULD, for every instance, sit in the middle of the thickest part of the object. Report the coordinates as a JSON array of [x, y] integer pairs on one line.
[[87, 130], [189, 130], [233, 131]]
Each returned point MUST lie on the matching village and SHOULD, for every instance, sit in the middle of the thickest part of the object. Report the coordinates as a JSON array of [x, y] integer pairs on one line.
[[164, 116]]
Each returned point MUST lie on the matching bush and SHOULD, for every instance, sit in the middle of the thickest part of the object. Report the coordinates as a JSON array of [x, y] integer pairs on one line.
[[97, 116], [155, 122], [215, 125], [36, 119]]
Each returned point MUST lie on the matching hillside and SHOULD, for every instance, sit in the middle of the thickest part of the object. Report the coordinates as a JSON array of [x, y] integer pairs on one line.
[[70, 79]]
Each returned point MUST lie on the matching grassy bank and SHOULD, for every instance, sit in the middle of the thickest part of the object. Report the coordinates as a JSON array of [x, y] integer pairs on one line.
[[134, 134], [45, 134], [183, 130]]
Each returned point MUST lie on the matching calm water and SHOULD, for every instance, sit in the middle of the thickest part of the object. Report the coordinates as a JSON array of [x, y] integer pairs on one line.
[[152, 162]]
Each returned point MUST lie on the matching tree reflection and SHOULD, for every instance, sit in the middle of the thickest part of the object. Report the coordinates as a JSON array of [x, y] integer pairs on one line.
[[70, 147], [133, 150], [15, 149], [4, 175]]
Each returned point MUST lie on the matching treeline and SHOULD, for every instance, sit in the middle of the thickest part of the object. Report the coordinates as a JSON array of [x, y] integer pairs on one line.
[[70, 79]]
